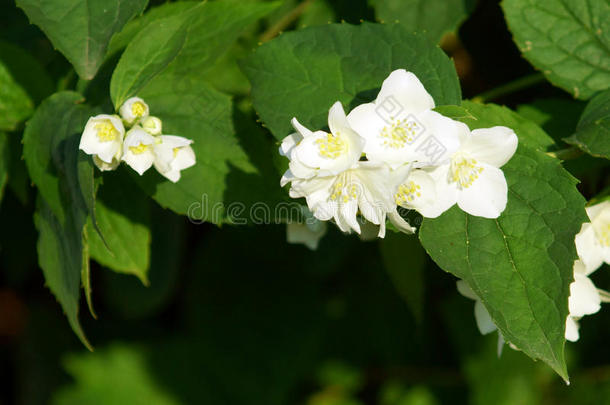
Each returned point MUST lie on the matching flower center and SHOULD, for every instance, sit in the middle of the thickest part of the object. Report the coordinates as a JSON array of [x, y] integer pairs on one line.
[[407, 192], [332, 146], [106, 132], [138, 109], [400, 133], [175, 150], [138, 150], [464, 170], [344, 189]]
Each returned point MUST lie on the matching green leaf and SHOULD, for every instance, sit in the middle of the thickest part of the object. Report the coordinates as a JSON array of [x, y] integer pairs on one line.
[[27, 71], [225, 180], [61, 257], [15, 104], [81, 30], [121, 39], [593, 130], [556, 116], [169, 48], [123, 216], [64, 178], [301, 74], [405, 260], [519, 264], [50, 146], [568, 40], [431, 17], [477, 115], [4, 162]]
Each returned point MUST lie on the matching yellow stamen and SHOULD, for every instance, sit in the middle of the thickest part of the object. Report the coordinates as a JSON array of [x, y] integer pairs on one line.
[[106, 132], [407, 193], [464, 170], [138, 109], [137, 150], [400, 133], [332, 146]]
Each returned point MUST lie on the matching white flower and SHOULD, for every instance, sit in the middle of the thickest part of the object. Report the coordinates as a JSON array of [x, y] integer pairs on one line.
[[134, 109], [585, 299], [173, 154], [320, 153], [138, 150], [593, 240], [472, 176], [152, 125], [103, 137], [400, 127], [363, 189]]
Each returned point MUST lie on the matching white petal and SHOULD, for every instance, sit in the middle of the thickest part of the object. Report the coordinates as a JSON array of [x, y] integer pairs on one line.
[[446, 193], [572, 327], [439, 140], [152, 125], [494, 146], [589, 251], [368, 124], [400, 223], [289, 143], [286, 178], [347, 213], [185, 158], [487, 196], [484, 321], [594, 210], [304, 132], [140, 162], [402, 90], [424, 198], [584, 297]]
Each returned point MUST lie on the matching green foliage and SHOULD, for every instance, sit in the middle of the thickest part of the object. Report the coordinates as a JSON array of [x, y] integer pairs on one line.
[[593, 130], [81, 30], [4, 162], [301, 74], [431, 17], [123, 217], [130, 379], [186, 43], [520, 264], [15, 104], [65, 183], [568, 40]]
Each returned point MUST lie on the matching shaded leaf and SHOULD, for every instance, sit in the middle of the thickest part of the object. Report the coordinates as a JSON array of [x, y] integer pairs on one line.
[[593, 130], [568, 40], [81, 30], [301, 74]]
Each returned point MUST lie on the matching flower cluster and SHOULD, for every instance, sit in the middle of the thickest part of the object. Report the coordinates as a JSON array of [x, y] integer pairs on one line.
[[593, 247], [141, 147], [397, 152]]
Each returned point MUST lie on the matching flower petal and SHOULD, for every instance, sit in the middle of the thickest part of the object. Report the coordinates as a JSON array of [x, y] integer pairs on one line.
[[446, 193], [402, 90], [589, 251], [572, 327], [487, 196], [584, 297], [494, 146]]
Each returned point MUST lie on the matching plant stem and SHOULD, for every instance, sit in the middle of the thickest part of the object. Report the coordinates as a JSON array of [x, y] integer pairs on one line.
[[285, 21], [566, 154], [509, 88]]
